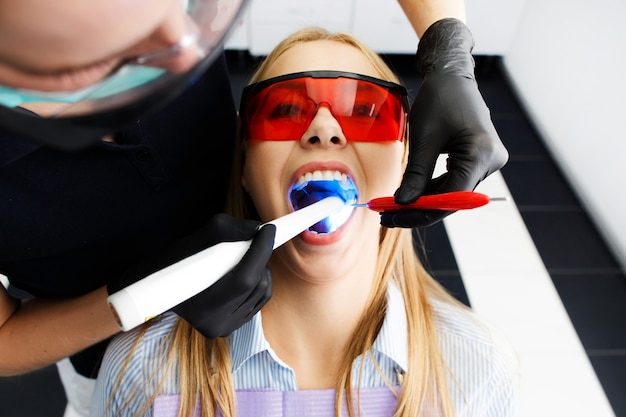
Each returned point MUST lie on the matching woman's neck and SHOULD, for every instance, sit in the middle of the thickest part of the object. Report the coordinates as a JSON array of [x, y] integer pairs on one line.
[[309, 324]]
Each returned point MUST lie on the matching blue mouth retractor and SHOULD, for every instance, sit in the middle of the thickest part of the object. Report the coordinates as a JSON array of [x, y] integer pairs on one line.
[[309, 192]]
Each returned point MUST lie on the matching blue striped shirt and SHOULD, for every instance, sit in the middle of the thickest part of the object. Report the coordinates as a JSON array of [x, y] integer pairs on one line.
[[483, 365]]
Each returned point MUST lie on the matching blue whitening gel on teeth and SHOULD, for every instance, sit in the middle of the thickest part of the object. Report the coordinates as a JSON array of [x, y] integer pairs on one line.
[[309, 192]]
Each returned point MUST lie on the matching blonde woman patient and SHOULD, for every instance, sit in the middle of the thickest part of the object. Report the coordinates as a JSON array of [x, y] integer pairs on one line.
[[355, 326]]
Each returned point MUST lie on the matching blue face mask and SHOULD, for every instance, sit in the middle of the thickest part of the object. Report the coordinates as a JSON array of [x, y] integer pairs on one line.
[[126, 78]]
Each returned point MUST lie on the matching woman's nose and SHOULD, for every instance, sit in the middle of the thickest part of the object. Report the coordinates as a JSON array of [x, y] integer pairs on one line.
[[324, 130]]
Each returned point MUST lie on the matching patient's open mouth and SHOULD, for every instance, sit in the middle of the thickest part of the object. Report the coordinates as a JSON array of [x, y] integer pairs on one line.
[[317, 185]]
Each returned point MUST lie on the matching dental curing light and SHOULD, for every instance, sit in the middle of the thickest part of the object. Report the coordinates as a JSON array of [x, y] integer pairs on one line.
[[170, 286], [305, 193]]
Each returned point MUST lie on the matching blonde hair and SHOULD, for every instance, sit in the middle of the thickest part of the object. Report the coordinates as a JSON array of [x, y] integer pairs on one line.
[[423, 387]]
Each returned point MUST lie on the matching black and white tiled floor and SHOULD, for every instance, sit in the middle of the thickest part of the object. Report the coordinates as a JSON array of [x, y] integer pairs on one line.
[[588, 280], [534, 266]]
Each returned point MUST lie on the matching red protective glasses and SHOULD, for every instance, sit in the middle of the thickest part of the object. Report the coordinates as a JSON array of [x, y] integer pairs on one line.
[[366, 108]]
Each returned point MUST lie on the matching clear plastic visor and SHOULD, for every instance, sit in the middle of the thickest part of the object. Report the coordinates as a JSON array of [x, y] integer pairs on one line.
[[208, 22]]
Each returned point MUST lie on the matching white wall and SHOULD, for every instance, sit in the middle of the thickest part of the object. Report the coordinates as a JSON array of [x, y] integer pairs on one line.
[[379, 23], [568, 63]]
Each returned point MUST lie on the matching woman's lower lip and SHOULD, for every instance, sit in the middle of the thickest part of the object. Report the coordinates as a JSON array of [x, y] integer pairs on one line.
[[323, 239]]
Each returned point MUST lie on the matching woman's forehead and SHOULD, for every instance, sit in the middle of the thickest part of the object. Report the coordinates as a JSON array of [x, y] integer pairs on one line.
[[322, 55]]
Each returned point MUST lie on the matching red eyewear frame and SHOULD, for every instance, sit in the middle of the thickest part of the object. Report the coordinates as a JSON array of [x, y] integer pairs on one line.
[[367, 109]]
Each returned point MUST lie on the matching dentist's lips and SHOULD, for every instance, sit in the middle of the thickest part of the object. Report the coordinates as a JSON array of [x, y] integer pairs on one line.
[[317, 185]]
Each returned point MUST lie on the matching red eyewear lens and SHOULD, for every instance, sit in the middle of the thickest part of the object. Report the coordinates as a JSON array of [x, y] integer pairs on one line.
[[366, 108]]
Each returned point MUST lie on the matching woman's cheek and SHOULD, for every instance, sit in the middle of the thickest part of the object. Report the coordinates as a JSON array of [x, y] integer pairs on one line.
[[262, 178], [383, 166]]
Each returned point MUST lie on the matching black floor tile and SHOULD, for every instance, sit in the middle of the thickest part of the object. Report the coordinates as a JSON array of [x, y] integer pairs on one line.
[[405, 69], [37, 394], [538, 183], [596, 304], [433, 248], [567, 240], [241, 66], [496, 93], [611, 371], [453, 283], [518, 136]]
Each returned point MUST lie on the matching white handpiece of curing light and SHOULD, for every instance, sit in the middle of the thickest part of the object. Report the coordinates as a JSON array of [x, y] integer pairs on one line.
[[171, 286]]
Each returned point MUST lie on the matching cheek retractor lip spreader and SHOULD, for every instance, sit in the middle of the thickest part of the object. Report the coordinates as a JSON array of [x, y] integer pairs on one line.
[[159, 292]]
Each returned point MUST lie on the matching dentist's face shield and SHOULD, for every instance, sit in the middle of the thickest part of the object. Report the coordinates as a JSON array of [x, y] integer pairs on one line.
[[83, 117]]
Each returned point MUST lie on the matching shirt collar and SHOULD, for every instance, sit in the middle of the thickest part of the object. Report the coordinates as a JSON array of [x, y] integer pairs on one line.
[[249, 340], [392, 338]]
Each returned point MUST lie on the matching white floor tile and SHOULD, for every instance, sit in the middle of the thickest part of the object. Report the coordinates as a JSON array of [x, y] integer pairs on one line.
[[508, 284]]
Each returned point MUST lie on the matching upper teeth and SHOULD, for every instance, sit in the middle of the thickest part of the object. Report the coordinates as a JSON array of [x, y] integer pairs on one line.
[[322, 175]]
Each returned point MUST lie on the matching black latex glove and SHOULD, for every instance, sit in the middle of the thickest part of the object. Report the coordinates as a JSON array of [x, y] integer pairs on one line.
[[449, 116], [233, 299]]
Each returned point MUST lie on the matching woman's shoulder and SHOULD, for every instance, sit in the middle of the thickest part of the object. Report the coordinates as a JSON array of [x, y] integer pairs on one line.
[[151, 332], [480, 357], [141, 345], [460, 322], [460, 328], [133, 366]]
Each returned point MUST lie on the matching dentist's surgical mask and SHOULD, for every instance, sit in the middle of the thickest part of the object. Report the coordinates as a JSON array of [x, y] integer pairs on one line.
[[136, 89]]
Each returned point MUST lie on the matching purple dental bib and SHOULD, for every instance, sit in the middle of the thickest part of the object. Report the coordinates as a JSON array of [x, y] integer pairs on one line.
[[374, 402]]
